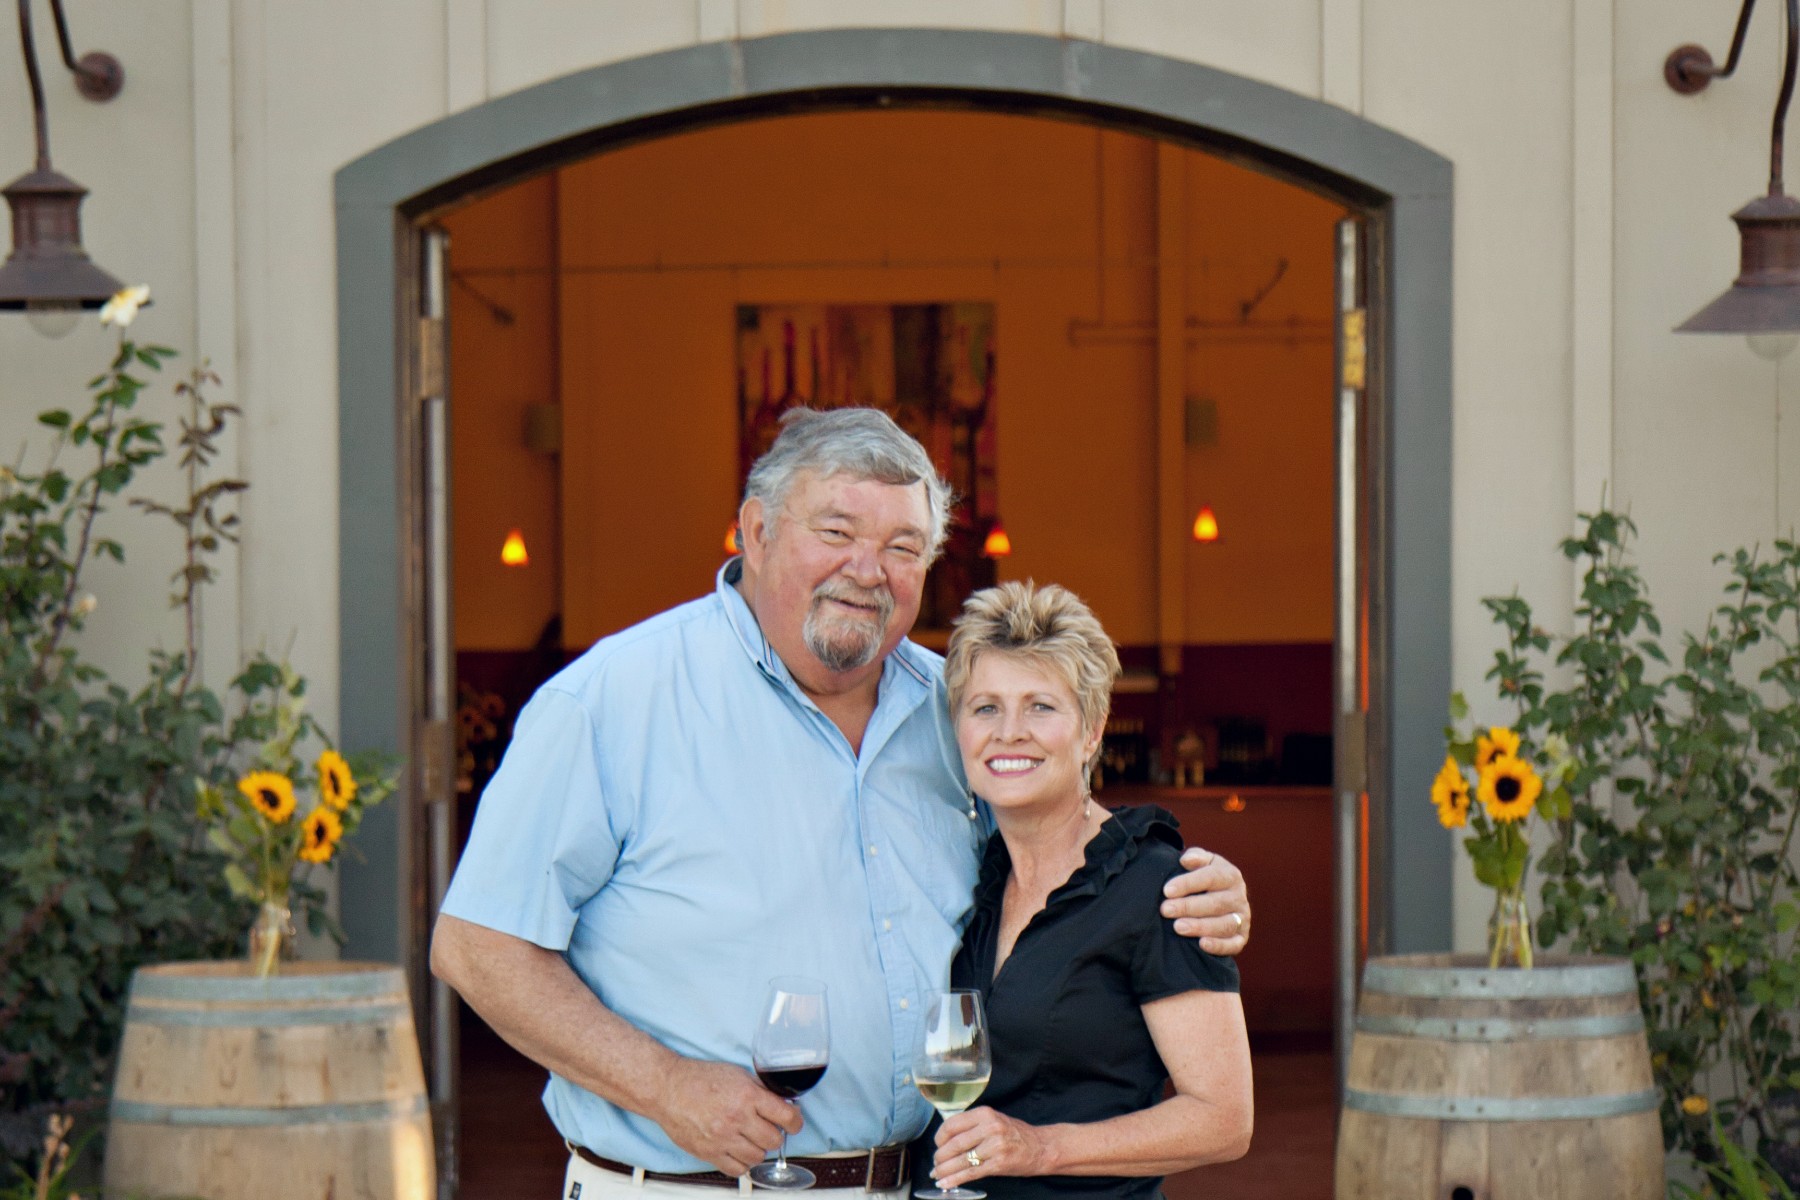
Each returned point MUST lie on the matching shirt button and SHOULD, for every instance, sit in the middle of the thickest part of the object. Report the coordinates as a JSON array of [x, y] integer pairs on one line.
[[904, 1005], [874, 849], [886, 925]]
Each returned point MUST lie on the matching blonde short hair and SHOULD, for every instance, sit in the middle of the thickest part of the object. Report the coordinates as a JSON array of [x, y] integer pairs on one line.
[[1048, 626]]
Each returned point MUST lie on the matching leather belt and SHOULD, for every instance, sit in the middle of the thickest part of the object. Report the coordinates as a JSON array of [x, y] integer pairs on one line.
[[877, 1170]]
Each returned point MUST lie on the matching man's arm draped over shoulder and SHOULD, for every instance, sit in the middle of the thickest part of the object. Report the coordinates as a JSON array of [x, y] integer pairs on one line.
[[533, 999], [1209, 902]]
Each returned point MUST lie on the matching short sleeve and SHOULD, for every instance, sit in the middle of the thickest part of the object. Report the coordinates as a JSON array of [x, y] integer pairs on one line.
[[543, 842], [1165, 963]]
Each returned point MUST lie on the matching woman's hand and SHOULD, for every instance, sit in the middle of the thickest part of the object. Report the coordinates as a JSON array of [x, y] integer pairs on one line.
[[1002, 1146]]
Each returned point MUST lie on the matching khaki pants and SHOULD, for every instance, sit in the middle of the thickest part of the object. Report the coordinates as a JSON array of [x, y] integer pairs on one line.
[[598, 1183]]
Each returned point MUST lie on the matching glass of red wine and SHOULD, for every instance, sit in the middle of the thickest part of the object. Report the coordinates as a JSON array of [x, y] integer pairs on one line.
[[790, 1052]]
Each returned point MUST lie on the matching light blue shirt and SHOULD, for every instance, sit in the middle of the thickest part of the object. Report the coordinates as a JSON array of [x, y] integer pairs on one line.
[[678, 818]]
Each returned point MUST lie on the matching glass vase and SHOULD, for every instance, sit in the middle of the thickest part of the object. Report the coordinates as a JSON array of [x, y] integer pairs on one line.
[[271, 938], [1509, 930]]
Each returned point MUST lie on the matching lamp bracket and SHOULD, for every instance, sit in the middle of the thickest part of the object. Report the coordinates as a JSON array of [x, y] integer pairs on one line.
[[1689, 68], [98, 75]]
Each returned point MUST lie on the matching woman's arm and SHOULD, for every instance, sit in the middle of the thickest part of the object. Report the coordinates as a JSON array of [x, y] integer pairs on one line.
[[1202, 1041]]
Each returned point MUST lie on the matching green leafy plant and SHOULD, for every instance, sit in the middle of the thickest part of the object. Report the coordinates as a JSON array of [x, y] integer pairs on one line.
[[1683, 781], [106, 860], [106, 866], [1737, 1174], [54, 1177]]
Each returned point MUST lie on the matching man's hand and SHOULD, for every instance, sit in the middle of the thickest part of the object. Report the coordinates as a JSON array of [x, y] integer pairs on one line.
[[534, 999], [720, 1113], [1210, 902]]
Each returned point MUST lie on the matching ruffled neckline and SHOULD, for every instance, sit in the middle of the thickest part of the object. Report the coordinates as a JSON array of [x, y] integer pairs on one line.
[[1108, 852]]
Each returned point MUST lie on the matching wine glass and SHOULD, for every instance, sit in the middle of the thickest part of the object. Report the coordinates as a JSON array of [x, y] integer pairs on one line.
[[952, 1066], [790, 1052]]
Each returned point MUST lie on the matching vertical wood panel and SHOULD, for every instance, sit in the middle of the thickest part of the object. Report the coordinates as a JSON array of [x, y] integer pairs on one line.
[[216, 295], [465, 53], [1171, 393], [1341, 53], [1591, 254]]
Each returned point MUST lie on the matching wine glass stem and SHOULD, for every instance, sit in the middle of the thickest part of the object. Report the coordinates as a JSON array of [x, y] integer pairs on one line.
[[781, 1155]]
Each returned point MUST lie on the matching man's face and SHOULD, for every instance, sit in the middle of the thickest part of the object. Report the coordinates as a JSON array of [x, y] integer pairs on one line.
[[839, 572]]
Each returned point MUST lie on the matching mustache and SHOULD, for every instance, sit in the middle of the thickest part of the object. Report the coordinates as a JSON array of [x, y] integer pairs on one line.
[[880, 599]]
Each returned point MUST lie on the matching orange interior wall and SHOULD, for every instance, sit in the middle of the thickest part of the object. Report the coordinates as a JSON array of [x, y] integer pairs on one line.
[[502, 359], [1052, 222]]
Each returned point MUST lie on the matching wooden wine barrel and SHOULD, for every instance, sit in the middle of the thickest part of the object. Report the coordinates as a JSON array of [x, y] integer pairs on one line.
[[306, 1086], [1471, 1084]]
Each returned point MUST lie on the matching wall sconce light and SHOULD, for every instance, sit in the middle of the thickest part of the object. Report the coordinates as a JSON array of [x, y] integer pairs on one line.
[[997, 545], [731, 540], [512, 551], [1763, 302], [48, 275], [1206, 525]]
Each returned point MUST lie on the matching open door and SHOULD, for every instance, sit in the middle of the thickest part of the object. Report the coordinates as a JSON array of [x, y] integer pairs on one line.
[[1363, 920], [433, 735]]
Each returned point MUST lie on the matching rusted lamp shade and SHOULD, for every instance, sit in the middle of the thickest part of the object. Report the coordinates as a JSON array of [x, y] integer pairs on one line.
[[1765, 297], [48, 269]]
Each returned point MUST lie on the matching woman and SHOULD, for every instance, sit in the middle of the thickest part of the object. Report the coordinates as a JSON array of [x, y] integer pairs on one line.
[[1093, 1002]]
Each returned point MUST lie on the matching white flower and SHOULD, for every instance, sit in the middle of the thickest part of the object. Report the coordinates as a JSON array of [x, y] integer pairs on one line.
[[122, 308], [85, 604]]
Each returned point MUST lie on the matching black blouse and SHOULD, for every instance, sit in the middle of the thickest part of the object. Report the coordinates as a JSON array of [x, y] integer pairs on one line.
[[1069, 1040]]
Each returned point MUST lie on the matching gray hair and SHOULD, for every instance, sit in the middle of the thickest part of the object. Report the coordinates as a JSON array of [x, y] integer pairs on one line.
[[863, 443]]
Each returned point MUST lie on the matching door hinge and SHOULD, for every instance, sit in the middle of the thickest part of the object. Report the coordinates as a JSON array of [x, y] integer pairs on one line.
[[437, 762], [1353, 350], [1353, 751], [433, 352]]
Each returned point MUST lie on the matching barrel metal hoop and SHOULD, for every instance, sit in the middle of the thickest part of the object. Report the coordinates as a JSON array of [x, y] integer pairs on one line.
[[1503, 1108], [249, 1018], [1590, 979], [314, 1114], [1501, 1029], [291, 989]]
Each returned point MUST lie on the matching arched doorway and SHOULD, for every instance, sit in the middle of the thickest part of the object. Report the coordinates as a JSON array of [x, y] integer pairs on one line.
[[1392, 628]]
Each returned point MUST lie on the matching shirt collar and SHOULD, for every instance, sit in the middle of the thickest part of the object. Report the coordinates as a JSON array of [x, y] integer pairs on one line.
[[743, 621]]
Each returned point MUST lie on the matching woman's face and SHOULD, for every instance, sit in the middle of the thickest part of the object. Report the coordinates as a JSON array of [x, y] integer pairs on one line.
[[1019, 729]]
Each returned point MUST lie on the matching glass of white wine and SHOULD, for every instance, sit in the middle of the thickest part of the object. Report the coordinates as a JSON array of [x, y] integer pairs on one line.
[[952, 1066]]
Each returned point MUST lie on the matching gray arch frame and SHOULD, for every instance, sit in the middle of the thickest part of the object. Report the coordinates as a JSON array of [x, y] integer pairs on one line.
[[1402, 187]]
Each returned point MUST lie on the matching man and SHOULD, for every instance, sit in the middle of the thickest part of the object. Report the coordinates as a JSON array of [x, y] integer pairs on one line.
[[761, 782]]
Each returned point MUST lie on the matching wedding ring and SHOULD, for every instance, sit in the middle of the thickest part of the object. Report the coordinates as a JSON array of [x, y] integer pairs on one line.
[[974, 1158], [1239, 918]]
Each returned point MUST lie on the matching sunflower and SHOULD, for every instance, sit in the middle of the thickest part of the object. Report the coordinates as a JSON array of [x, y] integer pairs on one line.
[[270, 793], [1509, 788], [1450, 792], [319, 835], [1497, 743], [337, 787]]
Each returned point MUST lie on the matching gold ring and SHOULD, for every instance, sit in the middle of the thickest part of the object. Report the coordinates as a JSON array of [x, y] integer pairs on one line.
[[974, 1158], [1239, 918]]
